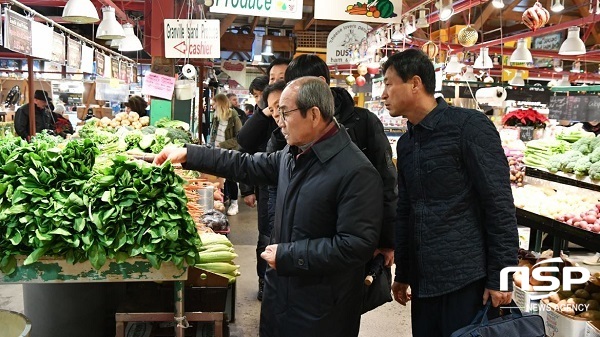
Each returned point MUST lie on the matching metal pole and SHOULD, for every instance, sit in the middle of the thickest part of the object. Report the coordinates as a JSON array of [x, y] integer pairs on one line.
[[180, 320], [31, 96], [200, 80], [66, 30]]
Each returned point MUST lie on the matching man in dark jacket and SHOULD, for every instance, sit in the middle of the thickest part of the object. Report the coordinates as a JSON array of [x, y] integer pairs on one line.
[[456, 227], [235, 104], [43, 118], [366, 131], [328, 219]]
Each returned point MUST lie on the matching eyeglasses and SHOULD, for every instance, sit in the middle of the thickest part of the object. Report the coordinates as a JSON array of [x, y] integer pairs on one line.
[[284, 114]]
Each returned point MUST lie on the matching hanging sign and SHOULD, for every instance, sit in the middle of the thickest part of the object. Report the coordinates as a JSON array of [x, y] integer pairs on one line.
[[123, 71], [73, 53], [285, 9], [100, 64], [17, 31], [134, 74], [41, 40], [382, 11], [87, 59], [192, 38], [550, 41], [347, 43], [158, 85], [114, 68], [58, 48]]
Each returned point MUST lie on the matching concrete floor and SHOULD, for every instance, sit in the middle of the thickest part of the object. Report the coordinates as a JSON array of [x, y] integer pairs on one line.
[[391, 319]]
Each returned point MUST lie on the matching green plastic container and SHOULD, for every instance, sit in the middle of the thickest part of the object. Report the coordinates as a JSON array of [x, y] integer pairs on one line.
[[14, 324]]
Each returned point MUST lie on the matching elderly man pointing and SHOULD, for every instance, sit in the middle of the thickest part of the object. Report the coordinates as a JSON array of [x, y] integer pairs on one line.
[[328, 216]]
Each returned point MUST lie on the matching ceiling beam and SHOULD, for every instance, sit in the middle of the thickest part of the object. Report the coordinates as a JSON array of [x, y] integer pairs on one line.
[[309, 22], [458, 8], [554, 19], [485, 15], [226, 22], [119, 13], [583, 10], [254, 24]]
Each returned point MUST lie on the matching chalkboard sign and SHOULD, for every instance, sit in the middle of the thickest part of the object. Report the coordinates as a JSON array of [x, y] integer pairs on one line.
[[575, 108], [557, 106], [593, 108]]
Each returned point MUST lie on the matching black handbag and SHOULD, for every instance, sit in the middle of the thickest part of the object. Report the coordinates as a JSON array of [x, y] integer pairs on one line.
[[515, 324], [378, 284]]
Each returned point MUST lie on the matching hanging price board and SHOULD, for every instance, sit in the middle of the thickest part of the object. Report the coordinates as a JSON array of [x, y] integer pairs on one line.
[[100, 65], [73, 53], [58, 48], [17, 30]]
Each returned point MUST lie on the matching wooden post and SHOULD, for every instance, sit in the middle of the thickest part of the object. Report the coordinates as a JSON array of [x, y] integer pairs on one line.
[[200, 80], [31, 97]]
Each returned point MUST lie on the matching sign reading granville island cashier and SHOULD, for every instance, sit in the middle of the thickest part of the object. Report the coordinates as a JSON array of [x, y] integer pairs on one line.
[[347, 42], [192, 38], [382, 11], [284, 9]]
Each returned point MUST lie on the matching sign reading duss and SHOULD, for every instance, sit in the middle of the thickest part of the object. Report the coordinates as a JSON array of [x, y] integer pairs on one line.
[[284, 9], [192, 38], [382, 11], [18, 33]]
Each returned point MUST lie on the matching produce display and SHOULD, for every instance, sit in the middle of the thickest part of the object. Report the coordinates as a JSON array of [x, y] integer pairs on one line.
[[588, 220], [539, 151], [132, 119], [62, 199], [553, 203], [217, 254]]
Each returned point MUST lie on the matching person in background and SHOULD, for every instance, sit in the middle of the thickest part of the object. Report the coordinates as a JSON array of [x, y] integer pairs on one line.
[[225, 127], [366, 131], [253, 138], [328, 219], [449, 205], [137, 104], [248, 110], [62, 125], [43, 115], [277, 68], [235, 104]]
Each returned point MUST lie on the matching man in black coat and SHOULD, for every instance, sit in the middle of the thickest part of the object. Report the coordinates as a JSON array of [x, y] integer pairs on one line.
[[456, 226], [328, 219], [43, 117], [235, 104]]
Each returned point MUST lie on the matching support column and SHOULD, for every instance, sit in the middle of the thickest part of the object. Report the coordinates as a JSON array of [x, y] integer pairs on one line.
[[31, 95], [155, 12]]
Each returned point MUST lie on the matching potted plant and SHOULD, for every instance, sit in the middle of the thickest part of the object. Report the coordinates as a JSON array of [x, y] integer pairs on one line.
[[529, 121]]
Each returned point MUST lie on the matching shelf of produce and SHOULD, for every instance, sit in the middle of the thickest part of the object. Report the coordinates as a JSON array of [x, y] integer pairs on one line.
[[563, 178], [49, 269], [586, 239]]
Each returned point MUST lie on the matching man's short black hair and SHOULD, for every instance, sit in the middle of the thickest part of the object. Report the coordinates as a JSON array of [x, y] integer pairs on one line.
[[258, 84], [413, 62], [271, 88], [307, 65], [277, 62]]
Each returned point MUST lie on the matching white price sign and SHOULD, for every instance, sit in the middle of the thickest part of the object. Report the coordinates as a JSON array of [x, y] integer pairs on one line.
[[192, 38]]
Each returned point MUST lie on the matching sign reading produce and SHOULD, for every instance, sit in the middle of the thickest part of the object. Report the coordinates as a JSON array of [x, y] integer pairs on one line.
[[382, 11], [284, 9]]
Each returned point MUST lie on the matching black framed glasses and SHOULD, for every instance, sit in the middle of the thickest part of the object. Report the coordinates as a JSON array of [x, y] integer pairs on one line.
[[284, 114]]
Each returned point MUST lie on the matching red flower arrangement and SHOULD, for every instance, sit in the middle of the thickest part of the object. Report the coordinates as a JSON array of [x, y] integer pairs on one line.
[[525, 117]]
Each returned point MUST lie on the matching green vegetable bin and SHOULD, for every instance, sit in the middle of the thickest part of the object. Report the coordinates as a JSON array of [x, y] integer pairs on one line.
[[14, 324]]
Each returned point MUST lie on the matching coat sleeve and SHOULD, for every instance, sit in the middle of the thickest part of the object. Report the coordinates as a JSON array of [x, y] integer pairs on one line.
[[359, 208], [402, 233], [257, 169], [232, 143], [488, 169], [380, 155], [22, 122], [255, 132]]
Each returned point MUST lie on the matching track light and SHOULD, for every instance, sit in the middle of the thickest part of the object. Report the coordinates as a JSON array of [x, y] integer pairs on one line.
[[422, 20], [557, 6], [498, 3], [446, 9]]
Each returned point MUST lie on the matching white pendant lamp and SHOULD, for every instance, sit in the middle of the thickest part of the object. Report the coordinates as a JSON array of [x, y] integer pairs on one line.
[[80, 11], [453, 66], [268, 49], [469, 75], [558, 65], [573, 45], [131, 42], [422, 20], [498, 3], [557, 6], [398, 35], [518, 80], [564, 81], [114, 44], [109, 28], [483, 61], [521, 54], [446, 9], [410, 25]]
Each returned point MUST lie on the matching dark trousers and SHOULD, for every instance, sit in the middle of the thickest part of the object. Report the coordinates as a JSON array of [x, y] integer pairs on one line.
[[230, 189], [264, 229], [440, 316]]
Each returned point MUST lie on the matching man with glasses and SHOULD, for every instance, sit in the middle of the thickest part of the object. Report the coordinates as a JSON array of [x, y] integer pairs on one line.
[[327, 222]]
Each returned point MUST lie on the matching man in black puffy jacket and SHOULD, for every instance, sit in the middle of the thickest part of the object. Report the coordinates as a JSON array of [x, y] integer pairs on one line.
[[366, 131]]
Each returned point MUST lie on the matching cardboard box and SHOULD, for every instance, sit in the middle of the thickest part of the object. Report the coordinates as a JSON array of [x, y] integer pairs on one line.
[[592, 329], [558, 324], [523, 300], [98, 112]]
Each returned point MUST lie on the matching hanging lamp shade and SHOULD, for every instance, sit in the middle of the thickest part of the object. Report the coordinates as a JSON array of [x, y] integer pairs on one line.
[[483, 61], [518, 80], [573, 45], [268, 49], [469, 75], [453, 66], [446, 9], [109, 28], [467, 36], [557, 6], [521, 54], [558, 65], [114, 44], [422, 20], [564, 81], [498, 3], [131, 42], [430, 49], [80, 11]]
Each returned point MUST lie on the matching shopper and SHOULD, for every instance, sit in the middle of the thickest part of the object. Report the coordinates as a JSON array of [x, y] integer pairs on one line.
[[225, 127], [137, 104], [43, 117], [235, 104], [456, 225], [277, 69], [62, 125], [328, 219], [248, 109], [366, 131]]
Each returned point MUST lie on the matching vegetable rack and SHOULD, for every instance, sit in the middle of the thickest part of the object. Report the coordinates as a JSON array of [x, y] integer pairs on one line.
[[53, 270]]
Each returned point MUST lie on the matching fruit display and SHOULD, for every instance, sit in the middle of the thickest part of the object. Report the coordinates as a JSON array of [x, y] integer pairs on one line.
[[132, 119], [517, 169], [553, 203], [588, 220]]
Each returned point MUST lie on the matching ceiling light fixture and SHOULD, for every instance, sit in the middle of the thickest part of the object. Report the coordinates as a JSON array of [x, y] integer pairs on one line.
[[521, 54], [131, 42], [446, 9], [398, 35], [268, 49], [109, 28], [422, 20], [564, 81], [558, 65], [80, 11], [453, 66], [557, 6], [409, 25], [518, 80], [469, 75], [483, 61], [573, 45], [498, 3]]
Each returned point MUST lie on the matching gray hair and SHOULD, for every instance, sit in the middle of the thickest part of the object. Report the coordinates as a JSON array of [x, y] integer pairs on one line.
[[314, 92]]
